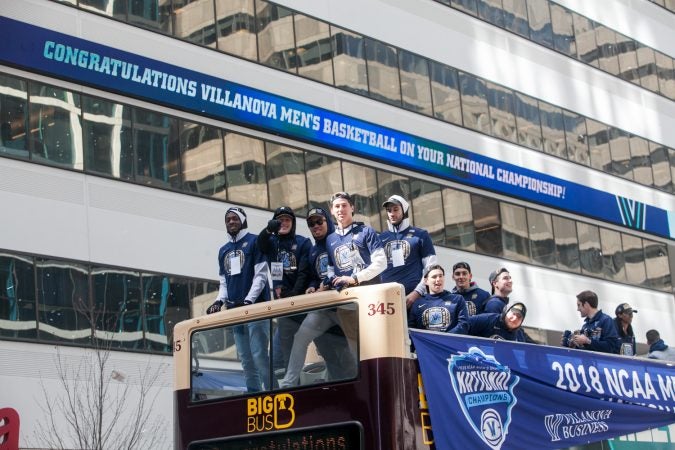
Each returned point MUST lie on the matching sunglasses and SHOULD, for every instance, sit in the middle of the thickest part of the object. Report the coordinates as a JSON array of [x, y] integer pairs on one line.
[[311, 223]]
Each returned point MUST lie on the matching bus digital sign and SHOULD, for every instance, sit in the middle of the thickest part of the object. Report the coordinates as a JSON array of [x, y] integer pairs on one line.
[[344, 436]]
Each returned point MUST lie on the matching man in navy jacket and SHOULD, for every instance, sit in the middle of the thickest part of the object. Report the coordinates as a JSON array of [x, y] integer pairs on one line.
[[598, 332]]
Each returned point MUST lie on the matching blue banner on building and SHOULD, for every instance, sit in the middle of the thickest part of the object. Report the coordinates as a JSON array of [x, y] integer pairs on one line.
[[505, 395], [107, 68]]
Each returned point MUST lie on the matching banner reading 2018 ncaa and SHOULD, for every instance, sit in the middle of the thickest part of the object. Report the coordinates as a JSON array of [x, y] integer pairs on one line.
[[63, 56], [503, 395]]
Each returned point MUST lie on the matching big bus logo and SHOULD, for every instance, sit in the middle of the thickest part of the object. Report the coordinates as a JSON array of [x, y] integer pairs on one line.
[[271, 412]]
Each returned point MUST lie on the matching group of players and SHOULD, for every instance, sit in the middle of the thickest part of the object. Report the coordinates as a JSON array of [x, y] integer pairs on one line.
[[347, 253]]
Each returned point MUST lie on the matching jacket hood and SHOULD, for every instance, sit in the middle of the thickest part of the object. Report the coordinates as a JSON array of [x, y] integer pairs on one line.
[[322, 212]]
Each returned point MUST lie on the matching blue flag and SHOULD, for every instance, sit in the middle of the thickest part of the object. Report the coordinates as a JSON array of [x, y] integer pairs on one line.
[[486, 394]]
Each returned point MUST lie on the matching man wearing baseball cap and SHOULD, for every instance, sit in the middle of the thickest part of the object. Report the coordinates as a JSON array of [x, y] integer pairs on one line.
[[502, 286], [410, 251], [624, 326], [287, 254]]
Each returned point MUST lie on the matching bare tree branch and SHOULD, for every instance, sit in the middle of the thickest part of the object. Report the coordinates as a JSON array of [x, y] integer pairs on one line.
[[102, 408]]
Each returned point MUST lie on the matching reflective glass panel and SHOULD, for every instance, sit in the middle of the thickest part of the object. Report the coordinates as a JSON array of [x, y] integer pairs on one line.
[[491, 11], [392, 184], [13, 116], [194, 21], [665, 74], [487, 225], [117, 297], [584, 36], [658, 269], [540, 22], [202, 159], [361, 183], [55, 126], [314, 52], [445, 93], [612, 255], [427, 208], [502, 112], [415, 86], [542, 244], [515, 236], [647, 68], [167, 302], [474, 103], [153, 15], [64, 312], [626, 49], [217, 370], [576, 138], [598, 143], [658, 155], [245, 170], [528, 121], [468, 6], [566, 244], [349, 61], [635, 259], [562, 25], [286, 177], [235, 24], [619, 145], [276, 38], [17, 297], [552, 130], [589, 249], [108, 143], [605, 38], [640, 163], [156, 140], [383, 80], [515, 17], [459, 229], [324, 177]]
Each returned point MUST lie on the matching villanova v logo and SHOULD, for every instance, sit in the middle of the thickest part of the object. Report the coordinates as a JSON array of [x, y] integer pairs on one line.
[[632, 212]]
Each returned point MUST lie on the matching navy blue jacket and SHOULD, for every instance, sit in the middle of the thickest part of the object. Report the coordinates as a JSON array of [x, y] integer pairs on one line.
[[356, 250], [418, 253], [495, 304], [601, 330], [475, 298], [318, 257], [292, 251], [491, 325], [250, 283], [443, 312]]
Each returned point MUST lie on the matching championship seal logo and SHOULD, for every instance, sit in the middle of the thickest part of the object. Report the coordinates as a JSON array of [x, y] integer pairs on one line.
[[484, 389]]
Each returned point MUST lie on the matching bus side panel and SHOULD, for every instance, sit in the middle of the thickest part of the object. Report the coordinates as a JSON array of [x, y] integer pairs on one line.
[[390, 383]]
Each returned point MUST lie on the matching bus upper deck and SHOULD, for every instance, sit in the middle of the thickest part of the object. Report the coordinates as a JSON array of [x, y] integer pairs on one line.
[[360, 385]]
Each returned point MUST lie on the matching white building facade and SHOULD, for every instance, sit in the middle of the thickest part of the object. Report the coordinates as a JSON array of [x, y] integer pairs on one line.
[[528, 134]]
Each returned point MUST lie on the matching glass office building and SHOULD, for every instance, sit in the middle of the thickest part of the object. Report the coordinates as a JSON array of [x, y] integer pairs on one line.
[[534, 135]]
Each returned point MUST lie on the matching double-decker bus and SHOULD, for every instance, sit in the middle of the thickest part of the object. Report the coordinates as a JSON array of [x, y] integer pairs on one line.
[[370, 395]]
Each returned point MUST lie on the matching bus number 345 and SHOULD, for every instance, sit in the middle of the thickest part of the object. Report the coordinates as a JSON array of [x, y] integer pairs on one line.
[[381, 308]]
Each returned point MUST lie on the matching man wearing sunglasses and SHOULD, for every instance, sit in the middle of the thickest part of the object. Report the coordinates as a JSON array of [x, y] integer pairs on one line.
[[410, 251], [320, 225]]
